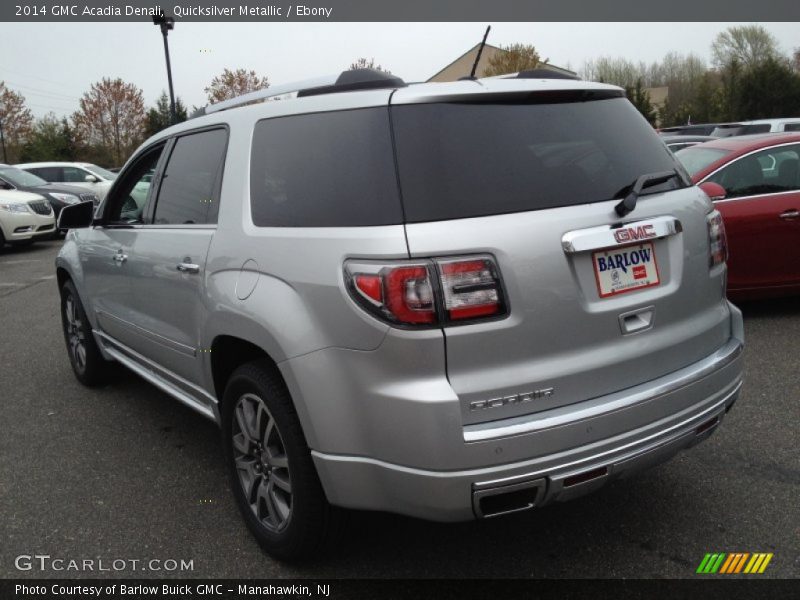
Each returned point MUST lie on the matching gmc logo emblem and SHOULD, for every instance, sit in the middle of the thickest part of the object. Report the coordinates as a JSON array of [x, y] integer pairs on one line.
[[631, 234]]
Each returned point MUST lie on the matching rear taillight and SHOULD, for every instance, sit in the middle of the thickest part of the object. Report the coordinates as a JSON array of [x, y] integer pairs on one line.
[[428, 293], [717, 239]]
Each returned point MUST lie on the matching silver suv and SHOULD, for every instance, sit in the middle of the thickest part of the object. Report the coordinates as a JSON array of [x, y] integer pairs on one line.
[[446, 300]]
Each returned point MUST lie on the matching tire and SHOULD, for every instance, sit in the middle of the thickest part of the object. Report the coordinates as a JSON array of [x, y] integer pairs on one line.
[[270, 467], [88, 364], [2, 241]]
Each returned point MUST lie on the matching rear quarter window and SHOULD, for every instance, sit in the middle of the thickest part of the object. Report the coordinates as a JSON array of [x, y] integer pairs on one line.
[[333, 169]]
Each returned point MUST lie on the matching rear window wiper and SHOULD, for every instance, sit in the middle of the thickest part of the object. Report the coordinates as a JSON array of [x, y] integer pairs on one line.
[[643, 181]]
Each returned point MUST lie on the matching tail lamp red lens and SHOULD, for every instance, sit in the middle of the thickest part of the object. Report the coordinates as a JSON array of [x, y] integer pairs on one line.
[[431, 293]]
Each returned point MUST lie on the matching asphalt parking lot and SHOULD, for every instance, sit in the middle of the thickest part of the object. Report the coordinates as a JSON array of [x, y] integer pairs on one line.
[[124, 472]]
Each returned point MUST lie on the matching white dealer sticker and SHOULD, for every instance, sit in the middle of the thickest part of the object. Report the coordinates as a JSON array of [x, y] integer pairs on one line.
[[620, 270]]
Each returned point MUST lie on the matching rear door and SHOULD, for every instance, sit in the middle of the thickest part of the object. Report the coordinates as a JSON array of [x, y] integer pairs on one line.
[[169, 255], [762, 217], [597, 303]]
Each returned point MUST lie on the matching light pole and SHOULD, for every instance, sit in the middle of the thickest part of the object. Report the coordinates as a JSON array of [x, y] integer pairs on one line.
[[166, 24]]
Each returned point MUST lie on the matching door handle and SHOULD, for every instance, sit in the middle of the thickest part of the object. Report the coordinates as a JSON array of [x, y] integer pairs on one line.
[[792, 213], [120, 258], [187, 267]]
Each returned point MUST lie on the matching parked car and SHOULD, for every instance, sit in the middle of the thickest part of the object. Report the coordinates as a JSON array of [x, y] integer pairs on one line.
[[747, 128], [755, 184], [24, 218], [697, 129], [59, 195], [86, 175], [382, 315], [773, 125], [679, 142]]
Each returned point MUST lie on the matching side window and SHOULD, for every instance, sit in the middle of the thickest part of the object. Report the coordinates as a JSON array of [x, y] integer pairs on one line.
[[74, 175], [189, 191], [332, 169], [129, 197], [52, 174], [791, 127], [770, 171]]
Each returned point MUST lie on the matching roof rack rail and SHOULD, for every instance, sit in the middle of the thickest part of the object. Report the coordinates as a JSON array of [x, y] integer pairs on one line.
[[351, 80]]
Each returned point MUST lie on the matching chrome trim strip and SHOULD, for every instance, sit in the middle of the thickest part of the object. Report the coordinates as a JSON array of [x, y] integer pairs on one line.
[[752, 196], [595, 238], [637, 448], [564, 415], [149, 371], [153, 337]]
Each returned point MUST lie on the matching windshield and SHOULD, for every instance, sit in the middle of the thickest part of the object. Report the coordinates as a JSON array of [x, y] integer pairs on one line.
[[696, 159], [101, 172], [20, 178], [461, 160]]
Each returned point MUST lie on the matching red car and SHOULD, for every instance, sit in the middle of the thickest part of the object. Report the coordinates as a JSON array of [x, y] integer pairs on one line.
[[754, 181]]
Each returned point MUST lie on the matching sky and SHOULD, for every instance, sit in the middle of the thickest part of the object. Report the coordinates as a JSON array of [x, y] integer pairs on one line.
[[53, 64]]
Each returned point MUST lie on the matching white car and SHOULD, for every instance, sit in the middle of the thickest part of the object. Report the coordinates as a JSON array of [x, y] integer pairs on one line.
[[772, 125], [24, 217], [86, 175]]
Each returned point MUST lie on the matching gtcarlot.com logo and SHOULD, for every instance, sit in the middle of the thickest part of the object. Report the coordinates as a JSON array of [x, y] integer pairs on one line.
[[732, 563], [45, 562]]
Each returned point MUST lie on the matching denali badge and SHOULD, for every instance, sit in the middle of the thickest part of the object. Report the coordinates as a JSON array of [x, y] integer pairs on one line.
[[511, 400], [631, 234]]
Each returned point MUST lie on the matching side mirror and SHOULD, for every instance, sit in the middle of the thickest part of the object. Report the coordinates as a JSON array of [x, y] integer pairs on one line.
[[76, 216], [713, 190], [90, 179]]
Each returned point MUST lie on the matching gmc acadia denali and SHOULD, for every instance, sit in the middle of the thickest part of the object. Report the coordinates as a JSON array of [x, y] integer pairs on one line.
[[446, 300]]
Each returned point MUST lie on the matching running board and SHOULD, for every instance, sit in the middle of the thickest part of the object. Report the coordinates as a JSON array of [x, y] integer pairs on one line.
[[109, 345]]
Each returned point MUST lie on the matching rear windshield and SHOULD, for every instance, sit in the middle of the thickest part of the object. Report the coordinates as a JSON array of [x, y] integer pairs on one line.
[[696, 159], [474, 159]]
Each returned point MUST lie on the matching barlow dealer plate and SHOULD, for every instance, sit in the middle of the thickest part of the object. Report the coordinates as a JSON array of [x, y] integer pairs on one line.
[[625, 269]]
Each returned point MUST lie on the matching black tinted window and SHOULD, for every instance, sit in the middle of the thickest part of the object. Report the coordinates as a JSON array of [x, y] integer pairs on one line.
[[324, 170], [467, 160], [791, 127], [52, 174], [189, 192]]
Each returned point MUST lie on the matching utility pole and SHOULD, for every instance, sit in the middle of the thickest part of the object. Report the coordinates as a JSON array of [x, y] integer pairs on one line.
[[167, 24]]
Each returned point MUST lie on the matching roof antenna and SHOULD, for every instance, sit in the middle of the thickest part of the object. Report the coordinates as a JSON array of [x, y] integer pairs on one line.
[[480, 51]]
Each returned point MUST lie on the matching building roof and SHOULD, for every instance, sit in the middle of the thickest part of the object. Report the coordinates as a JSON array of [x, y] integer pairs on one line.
[[462, 65]]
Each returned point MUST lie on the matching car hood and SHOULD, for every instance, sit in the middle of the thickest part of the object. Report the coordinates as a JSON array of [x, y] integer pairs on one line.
[[58, 188]]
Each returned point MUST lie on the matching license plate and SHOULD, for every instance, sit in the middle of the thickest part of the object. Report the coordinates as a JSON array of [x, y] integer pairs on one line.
[[626, 269]]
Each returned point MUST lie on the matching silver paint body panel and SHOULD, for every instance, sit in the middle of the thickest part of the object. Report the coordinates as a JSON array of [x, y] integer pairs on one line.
[[386, 411]]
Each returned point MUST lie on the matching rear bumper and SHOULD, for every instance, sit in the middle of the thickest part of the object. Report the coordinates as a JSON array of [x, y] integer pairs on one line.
[[571, 452]]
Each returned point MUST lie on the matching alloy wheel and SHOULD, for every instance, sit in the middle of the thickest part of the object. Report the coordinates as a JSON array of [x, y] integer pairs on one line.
[[75, 334], [261, 462]]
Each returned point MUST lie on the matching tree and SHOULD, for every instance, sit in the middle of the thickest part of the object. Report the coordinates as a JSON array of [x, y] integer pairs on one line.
[[230, 84], [512, 59], [616, 71], [796, 60], [640, 98], [769, 90], [363, 63], [111, 119], [749, 45], [16, 120], [50, 139], [159, 116]]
